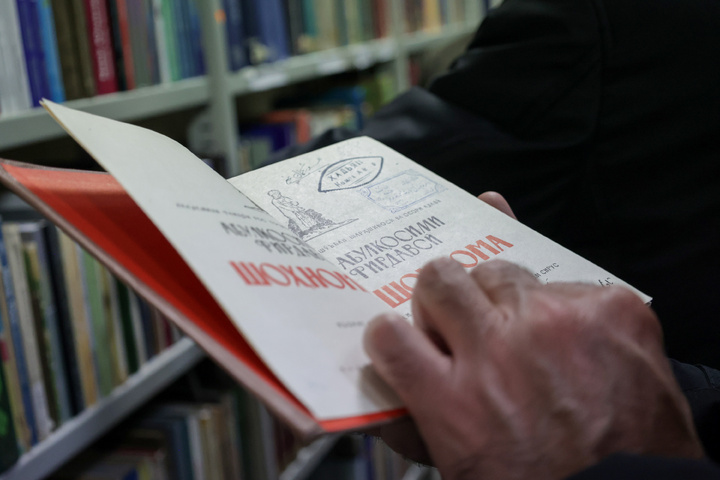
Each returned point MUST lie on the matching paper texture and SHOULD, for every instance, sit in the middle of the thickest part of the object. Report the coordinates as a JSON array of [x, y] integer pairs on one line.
[[296, 316], [379, 217]]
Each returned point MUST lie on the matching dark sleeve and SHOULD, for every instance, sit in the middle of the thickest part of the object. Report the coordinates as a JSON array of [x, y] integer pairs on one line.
[[634, 467], [701, 386], [532, 69]]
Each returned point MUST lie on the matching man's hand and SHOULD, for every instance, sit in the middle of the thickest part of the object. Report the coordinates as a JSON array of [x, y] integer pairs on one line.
[[507, 378]]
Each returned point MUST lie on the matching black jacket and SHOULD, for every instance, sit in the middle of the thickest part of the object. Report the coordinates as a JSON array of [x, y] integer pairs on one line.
[[599, 121]]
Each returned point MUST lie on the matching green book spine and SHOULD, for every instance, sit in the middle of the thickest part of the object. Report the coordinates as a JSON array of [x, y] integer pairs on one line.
[[128, 329], [9, 452], [170, 32], [98, 323]]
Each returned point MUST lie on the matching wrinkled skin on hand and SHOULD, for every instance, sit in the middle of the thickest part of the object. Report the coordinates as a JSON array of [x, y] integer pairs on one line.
[[507, 378]]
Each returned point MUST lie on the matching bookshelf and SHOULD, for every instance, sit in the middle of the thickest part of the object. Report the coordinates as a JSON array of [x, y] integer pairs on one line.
[[217, 92], [84, 429]]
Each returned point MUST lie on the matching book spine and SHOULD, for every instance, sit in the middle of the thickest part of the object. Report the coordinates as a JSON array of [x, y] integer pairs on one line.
[[116, 341], [16, 335], [67, 49], [150, 41], [9, 452], [237, 56], [41, 330], [40, 406], [196, 42], [273, 29], [98, 324], [122, 293], [380, 18], [161, 45], [136, 33], [124, 30], [16, 92], [52, 323], [50, 50], [341, 20], [117, 44], [80, 325], [84, 52], [171, 42], [32, 47], [12, 379], [60, 296], [138, 329], [182, 37], [102, 56]]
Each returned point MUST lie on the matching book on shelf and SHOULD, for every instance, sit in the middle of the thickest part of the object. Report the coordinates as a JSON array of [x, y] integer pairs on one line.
[[275, 273], [29, 22], [14, 87], [9, 446]]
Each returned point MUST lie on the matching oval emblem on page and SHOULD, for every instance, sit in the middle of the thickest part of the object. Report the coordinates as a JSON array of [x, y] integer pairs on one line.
[[350, 173]]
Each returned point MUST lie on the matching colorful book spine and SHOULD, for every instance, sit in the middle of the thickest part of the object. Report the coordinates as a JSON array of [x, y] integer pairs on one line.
[[237, 55], [272, 28], [9, 452], [39, 267], [50, 51], [150, 41], [98, 323], [41, 330], [161, 44], [171, 40], [15, 255], [61, 299], [197, 57], [16, 335], [101, 49], [12, 379], [14, 84], [82, 334], [32, 47], [117, 44]]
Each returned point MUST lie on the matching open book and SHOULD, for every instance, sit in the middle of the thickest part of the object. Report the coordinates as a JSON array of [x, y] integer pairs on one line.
[[276, 272]]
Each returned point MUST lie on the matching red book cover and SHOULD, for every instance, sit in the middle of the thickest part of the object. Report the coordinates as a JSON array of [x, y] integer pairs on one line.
[[101, 49]]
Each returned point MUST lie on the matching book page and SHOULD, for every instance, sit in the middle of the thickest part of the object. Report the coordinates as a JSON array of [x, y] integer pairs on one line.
[[379, 217], [302, 315]]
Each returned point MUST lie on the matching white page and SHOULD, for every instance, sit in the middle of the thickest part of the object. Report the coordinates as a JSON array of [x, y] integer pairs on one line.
[[379, 217], [309, 337]]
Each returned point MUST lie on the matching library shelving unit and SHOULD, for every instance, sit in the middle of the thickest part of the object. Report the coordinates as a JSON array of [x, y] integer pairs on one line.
[[216, 91]]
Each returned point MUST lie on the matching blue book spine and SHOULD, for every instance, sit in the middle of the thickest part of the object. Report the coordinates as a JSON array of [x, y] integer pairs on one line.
[[237, 55], [272, 28], [32, 46], [17, 342], [50, 50], [180, 16], [196, 42]]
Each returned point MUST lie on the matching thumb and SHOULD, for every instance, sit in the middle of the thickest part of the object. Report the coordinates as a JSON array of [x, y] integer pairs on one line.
[[405, 358]]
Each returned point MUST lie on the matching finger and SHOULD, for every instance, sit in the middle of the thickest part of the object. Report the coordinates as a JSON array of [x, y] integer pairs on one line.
[[450, 306], [405, 358], [504, 283], [496, 200]]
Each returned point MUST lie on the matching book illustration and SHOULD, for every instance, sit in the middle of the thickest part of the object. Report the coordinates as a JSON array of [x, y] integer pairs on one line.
[[306, 223], [401, 191], [350, 173], [303, 171]]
